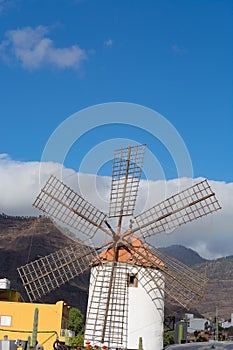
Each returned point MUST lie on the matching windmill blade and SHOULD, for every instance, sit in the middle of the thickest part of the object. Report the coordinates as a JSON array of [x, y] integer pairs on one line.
[[41, 276], [153, 281], [188, 205], [106, 321], [182, 283], [126, 172], [60, 202]]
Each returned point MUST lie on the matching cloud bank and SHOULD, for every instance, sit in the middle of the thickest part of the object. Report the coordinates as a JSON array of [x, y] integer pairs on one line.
[[32, 49], [210, 236]]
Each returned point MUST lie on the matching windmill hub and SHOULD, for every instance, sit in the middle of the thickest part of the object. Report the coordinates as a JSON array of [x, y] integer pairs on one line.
[[117, 239]]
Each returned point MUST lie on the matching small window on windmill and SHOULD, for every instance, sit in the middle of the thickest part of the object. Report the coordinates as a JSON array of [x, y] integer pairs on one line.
[[132, 280]]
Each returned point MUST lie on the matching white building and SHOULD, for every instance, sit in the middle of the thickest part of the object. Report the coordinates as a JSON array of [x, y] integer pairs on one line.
[[227, 324], [195, 323]]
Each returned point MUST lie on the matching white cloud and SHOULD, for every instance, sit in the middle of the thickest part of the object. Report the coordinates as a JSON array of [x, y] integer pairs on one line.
[[108, 42], [4, 156], [5, 4], [2, 5], [211, 236], [32, 48]]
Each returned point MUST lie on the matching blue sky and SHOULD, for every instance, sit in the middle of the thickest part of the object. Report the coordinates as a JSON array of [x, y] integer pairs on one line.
[[58, 58], [172, 56]]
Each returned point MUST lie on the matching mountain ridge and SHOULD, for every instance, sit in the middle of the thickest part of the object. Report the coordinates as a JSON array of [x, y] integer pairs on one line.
[[187, 255], [24, 239]]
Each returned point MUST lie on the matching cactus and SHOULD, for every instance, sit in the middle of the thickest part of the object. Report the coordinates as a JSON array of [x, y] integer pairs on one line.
[[28, 342], [140, 344], [35, 327]]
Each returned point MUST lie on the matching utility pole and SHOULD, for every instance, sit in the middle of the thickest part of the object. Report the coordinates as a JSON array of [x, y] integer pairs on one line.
[[216, 330]]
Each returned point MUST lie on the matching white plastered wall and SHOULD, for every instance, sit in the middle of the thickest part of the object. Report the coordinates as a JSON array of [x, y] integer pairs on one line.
[[145, 308]]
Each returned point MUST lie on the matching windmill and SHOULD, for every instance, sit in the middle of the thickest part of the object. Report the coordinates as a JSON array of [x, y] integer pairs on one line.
[[127, 274]]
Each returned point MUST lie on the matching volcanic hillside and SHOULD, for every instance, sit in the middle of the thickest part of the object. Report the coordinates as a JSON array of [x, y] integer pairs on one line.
[[23, 239]]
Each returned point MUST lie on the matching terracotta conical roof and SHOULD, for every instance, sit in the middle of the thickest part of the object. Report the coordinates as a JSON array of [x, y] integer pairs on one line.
[[126, 254]]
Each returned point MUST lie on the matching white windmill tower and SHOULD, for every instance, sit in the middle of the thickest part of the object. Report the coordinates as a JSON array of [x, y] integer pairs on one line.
[[136, 302], [129, 278]]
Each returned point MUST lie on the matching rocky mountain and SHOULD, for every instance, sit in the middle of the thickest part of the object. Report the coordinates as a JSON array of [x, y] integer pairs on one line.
[[186, 255], [23, 239], [219, 289]]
